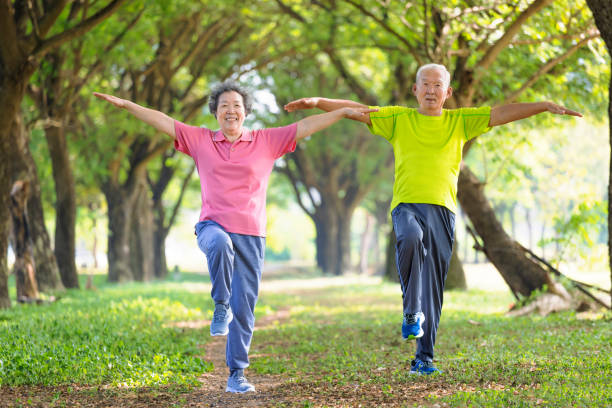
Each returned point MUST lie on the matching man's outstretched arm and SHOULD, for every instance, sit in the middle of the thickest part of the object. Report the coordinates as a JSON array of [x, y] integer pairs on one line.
[[314, 123], [157, 119], [329, 105], [516, 111]]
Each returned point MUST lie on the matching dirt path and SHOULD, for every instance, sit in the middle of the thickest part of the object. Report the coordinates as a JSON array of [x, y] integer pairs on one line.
[[212, 392]]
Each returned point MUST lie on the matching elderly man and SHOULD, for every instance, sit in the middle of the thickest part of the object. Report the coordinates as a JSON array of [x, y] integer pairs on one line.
[[427, 143], [234, 165]]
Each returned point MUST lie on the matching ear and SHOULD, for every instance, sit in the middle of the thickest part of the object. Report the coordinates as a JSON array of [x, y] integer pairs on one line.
[[449, 92], [414, 89]]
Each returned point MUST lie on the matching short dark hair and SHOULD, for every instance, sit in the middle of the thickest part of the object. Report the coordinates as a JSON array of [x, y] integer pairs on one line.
[[228, 86]]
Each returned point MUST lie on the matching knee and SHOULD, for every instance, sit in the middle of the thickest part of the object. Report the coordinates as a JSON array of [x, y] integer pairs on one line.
[[410, 238], [218, 243]]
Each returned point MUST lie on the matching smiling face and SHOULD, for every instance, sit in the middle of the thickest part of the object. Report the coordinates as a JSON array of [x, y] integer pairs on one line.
[[231, 113], [431, 91]]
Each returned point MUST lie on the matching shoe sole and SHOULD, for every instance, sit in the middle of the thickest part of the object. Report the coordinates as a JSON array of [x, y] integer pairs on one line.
[[215, 334], [228, 389], [412, 337], [420, 373]]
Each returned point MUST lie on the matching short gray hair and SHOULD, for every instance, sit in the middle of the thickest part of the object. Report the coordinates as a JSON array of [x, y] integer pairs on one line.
[[439, 67], [229, 86]]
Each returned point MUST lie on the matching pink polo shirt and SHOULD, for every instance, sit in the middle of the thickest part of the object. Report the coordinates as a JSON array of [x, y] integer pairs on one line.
[[234, 176]]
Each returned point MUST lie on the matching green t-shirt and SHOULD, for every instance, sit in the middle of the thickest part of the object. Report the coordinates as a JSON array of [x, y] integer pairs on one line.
[[428, 150]]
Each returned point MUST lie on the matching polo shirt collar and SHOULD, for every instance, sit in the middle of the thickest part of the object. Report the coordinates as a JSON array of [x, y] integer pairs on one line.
[[247, 136]]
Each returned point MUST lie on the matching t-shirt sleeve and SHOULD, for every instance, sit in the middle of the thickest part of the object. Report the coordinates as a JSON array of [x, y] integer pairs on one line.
[[281, 140], [188, 138], [476, 121], [383, 121]]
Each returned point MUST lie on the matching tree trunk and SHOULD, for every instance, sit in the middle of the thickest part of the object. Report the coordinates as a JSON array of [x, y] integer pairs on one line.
[[520, 273], [343, 260], [602, 12], [141, 236], [65, 206], [24, 167], [455, 279], [119, 223], [12, 89], [326, 243], [390, 272], [27, 289], [160, 264]]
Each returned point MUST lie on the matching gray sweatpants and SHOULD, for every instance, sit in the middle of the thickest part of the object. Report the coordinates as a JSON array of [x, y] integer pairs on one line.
[[425, 234], [235, 262]]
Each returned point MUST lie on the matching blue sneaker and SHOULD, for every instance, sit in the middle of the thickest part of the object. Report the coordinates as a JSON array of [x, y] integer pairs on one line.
[[419, 367], [221, 320], [413, 330], [237, 383]]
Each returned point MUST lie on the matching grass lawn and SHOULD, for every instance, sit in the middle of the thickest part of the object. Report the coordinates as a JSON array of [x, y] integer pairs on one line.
[[338, 345]]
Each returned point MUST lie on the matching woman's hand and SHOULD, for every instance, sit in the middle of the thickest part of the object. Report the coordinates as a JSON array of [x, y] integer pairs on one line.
[[118, 102]]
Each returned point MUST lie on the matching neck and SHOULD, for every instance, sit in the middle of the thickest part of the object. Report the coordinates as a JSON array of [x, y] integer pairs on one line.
[[430, 112], [232, 136]]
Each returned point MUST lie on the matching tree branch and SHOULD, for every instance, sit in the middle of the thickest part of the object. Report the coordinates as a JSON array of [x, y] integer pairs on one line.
[[77, 30], [547, 67], [391, 31], [493, 51], [288, 10], [157, 150], [98, 64], [50, 16], [352, 82], [180, 198], [199, 45], [293, 181]]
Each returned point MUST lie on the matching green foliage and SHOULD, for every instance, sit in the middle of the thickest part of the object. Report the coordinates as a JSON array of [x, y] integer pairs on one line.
[[348, 338], [120, 335], [340, 339], [578, 230]]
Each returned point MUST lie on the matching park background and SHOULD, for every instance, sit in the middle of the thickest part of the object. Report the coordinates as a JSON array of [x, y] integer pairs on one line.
[[111, 206]]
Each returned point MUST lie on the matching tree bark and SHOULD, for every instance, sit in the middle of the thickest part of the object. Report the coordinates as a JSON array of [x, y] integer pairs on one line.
[[24, 167], [65, 206], [141, 236], [343, 261], [326, 240], [520, 273], [12, 89], [602, 12], [119, 223], [23, 268], [455, 279], [390, 272]]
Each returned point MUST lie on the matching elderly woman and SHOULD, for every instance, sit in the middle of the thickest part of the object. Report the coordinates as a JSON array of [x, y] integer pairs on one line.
[[234, 165]]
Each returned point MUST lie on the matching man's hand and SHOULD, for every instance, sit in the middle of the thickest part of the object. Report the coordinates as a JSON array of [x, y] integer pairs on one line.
[[560, 110], [118, 102], [300, 104], [359, 114]]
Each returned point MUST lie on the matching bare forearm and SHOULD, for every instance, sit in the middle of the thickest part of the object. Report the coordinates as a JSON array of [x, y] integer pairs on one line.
[[157, 119], [334, 104], [516, 111], [314, 123]]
